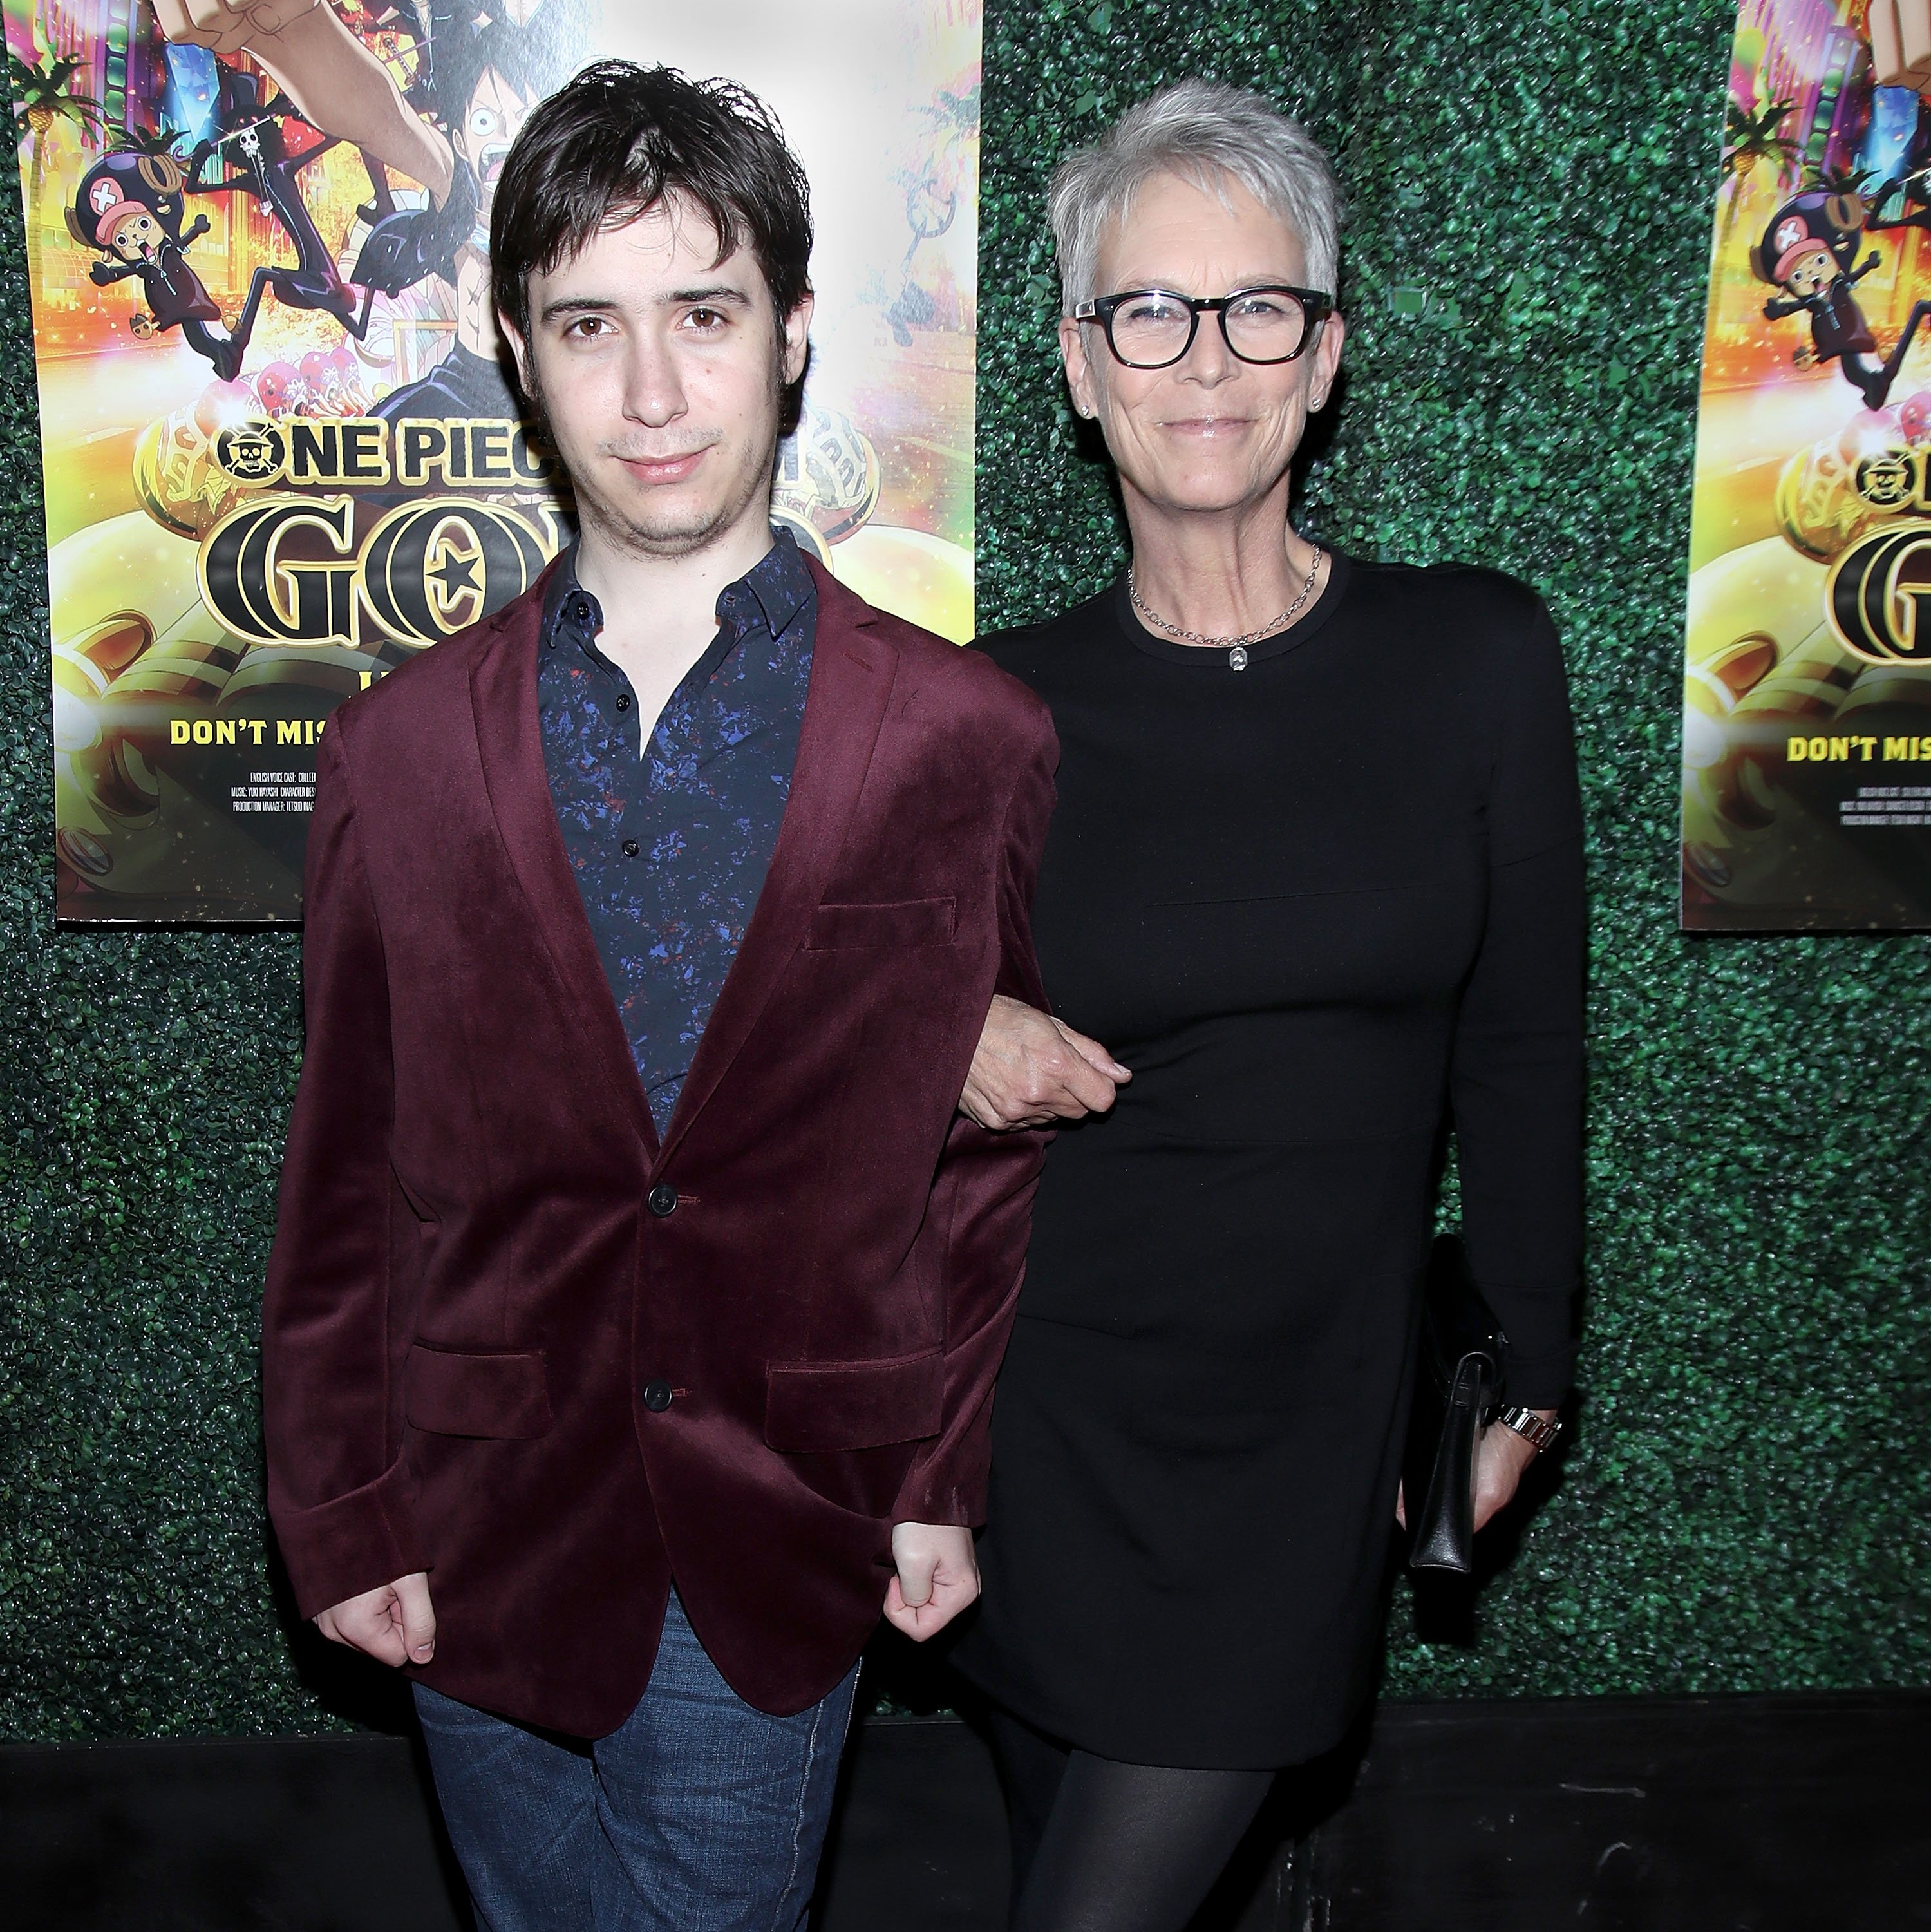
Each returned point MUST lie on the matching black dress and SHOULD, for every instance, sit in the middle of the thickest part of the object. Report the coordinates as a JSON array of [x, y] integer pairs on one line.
[[1317, 904]]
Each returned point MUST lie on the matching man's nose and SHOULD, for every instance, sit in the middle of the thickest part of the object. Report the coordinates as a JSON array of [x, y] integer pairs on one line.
[[653, 387]]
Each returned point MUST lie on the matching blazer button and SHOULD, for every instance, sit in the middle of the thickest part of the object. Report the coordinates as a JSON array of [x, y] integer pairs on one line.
[[662, 1199], [657, 1397], [631, 848]]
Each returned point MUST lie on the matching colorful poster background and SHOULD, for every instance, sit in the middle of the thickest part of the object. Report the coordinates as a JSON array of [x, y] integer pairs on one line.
[[1806, 740], [281, 453]]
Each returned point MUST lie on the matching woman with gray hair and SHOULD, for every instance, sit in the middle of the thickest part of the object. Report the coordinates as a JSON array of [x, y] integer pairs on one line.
[[1315, 876]]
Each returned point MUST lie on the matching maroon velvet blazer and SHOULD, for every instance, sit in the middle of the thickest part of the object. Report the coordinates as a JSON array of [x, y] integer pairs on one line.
[[488, 1273]]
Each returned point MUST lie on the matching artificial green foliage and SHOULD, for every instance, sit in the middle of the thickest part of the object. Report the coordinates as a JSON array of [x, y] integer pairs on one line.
[[1744, 1505]]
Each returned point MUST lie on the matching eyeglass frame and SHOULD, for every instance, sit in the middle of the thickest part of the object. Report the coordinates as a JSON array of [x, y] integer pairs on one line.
[[1316, 306]]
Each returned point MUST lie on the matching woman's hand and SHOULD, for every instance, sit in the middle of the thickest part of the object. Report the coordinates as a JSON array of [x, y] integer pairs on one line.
[[1500, 1457], [1028, 1070]]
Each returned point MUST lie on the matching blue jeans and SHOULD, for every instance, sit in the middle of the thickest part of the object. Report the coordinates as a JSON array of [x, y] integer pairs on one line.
[[701, 1814]]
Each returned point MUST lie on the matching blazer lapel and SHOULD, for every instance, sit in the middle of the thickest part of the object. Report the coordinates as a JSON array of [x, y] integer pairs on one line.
[[852, 671], [503, 699]]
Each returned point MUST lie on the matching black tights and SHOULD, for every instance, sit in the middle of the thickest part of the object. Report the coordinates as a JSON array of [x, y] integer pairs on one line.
[[1102, 1847]]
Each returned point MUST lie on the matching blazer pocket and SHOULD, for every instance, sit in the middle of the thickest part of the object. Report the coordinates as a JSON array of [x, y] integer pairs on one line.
[[820, 1405], [904, 922], [501, 1395]]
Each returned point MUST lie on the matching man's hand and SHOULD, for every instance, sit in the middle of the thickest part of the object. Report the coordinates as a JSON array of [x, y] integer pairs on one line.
[[1500, 1457], [225, 26], [395, 1624], [938, 1577], [1029, 1070]]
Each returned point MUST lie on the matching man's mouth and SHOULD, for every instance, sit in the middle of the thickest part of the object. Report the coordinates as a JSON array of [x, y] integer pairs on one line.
[[672, 467], [492, 158]]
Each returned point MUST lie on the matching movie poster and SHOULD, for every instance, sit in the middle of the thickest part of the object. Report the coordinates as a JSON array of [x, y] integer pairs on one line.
[[282, 452], [1807, 742]]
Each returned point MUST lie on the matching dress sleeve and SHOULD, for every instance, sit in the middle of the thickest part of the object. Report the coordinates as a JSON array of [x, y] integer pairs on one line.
[[1516, 1077]]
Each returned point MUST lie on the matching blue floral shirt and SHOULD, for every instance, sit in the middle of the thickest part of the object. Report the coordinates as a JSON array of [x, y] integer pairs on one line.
[[670, 849]]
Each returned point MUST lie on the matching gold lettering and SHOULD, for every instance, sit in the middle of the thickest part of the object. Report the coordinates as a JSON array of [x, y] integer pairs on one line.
[[489, 453], [312, 455], [421, 450], [365, 457]]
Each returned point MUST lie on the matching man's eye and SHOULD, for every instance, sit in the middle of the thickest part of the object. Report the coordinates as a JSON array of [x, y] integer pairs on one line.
[[483, 121], [586, 326], [706, 321]]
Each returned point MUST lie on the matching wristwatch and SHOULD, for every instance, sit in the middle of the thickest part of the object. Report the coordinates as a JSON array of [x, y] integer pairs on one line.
[[1529, 1427]]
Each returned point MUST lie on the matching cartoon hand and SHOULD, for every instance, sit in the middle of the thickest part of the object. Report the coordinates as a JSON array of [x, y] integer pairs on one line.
[[101, 273], [224, 28], [1804, 359]]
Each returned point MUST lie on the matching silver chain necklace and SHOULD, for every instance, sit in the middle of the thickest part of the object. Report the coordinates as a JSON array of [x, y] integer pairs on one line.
[[1236, 648]]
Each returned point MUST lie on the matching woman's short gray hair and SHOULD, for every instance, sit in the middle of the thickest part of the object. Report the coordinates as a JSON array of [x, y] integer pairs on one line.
[[1205, 133]]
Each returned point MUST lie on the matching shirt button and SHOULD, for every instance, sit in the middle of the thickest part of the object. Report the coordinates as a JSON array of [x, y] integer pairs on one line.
[[580, 611], [657, 1397], [631, 848], [623, 701], [662, 1199]]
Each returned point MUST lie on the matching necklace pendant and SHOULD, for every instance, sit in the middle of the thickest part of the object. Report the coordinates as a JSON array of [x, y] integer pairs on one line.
[[1237, 658]]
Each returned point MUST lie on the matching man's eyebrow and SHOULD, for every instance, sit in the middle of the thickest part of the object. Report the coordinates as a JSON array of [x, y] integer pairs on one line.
[[567, 305], [717, 292]]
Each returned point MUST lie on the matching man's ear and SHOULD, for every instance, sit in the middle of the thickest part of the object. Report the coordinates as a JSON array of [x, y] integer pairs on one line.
[[519, 352], [797, 339]]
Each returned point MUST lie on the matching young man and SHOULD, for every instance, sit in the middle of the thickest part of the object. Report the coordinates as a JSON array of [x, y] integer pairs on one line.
[[637, 1294]]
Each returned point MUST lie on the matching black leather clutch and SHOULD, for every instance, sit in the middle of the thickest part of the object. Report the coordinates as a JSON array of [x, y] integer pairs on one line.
[[1464, 1371]]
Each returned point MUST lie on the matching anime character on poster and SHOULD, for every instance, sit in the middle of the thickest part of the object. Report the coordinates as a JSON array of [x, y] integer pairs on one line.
[[1808, 252]]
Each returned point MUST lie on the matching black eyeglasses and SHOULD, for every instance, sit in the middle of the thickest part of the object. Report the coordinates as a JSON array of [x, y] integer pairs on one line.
[[1151, 328]]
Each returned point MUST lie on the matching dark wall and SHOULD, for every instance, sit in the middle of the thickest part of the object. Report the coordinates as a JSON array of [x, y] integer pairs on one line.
[[1744, 1505]]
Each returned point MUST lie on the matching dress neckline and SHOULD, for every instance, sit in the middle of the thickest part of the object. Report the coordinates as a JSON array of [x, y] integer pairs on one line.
[[1211, 657]]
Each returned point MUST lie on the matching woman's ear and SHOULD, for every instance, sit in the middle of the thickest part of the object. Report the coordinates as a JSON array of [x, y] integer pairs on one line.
[[1326, 357], [1080, 377]]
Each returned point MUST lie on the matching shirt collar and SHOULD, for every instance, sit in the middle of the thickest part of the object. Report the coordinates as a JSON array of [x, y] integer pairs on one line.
[[777, 586]]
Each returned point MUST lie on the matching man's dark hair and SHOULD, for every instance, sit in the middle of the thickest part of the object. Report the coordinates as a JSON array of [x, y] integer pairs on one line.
[[468, 37], [616, 141]]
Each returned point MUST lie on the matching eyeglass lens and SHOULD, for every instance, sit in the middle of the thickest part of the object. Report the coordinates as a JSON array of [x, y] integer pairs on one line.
[[1265, 325]]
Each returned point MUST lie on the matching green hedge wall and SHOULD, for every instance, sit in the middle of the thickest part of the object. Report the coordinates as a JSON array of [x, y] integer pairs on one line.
[[1744, 1507]]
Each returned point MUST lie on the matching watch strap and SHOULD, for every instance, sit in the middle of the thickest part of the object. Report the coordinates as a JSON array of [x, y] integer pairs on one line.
[[1532, 1428]]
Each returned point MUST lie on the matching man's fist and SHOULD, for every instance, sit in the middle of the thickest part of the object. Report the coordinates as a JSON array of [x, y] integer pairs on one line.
[[227, 26], [936, 1577], [394, 1624], [1029, 1070]]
